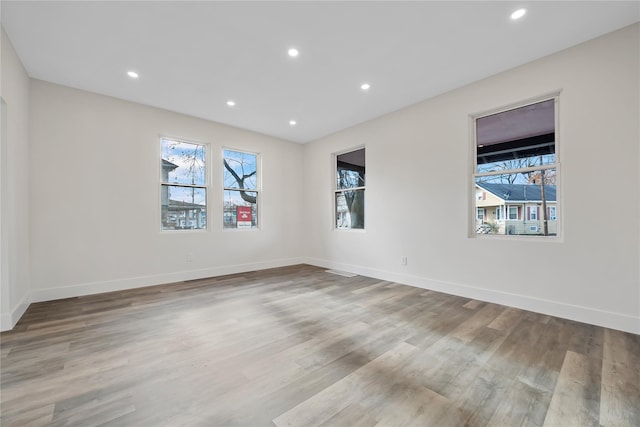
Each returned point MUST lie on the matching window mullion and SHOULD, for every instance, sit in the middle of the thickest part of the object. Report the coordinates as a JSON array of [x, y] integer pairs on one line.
[[341, 190], [183, 185]]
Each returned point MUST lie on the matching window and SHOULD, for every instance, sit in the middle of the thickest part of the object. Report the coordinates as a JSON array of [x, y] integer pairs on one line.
[[500, 213], [552, 213], [240, 180], [516, 161], [349, 190], [513, 213], [480, 214], [183, 185]]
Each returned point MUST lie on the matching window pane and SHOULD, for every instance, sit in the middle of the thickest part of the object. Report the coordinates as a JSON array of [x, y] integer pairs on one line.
[[350, 169], [519, 138], [350, 209], [532, 177], [526, 162], [183, 163], [513, 212], [183, 208], [523, 198], [240, 170], [240, 209]]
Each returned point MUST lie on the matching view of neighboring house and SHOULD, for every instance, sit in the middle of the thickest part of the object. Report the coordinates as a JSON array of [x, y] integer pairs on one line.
[[177, 214], [515, 208]]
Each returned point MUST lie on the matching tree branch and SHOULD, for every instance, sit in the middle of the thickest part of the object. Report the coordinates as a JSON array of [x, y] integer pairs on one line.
[[246, 197]]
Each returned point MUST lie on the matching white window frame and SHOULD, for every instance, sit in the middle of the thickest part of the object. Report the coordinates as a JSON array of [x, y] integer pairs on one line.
[[336, 190], [206, 187], [478, 216], [552, 166], [532, 213], [258, 189], [500, 213], [552, 213], [517, 218]]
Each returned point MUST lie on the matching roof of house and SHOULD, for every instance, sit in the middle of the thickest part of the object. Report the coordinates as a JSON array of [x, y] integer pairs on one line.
[[166, 164], [520, 192]]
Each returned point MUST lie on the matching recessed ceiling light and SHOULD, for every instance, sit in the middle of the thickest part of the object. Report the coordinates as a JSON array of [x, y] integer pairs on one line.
[[518, 14], [231, 103], [365, 86], [132, 74], [293, 52], [292, 122]]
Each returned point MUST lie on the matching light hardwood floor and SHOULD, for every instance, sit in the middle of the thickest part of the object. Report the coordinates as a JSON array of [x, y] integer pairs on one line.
[[298, 346]]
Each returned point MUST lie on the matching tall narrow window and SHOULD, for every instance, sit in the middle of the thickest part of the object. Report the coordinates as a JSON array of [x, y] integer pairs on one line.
[[349, 190], [183, 185], [516, 163], [240, 178], [513, 213]]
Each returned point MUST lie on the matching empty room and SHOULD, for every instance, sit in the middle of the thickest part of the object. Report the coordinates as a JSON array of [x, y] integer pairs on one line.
[[320, 213]]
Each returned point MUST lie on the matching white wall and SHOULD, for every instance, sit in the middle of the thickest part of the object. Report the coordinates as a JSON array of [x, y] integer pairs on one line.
[[14, 179], [418, 192], [95, 197]]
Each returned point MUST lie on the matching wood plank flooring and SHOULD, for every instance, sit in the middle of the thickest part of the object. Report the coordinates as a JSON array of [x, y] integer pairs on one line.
[[298, 346]]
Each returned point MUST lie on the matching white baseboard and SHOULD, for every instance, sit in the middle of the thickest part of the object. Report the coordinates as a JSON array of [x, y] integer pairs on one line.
[[156, 279], [592, 316], [582, 314], [9, 320]]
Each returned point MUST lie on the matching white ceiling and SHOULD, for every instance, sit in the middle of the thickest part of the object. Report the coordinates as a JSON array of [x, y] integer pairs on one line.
[[194, 56]]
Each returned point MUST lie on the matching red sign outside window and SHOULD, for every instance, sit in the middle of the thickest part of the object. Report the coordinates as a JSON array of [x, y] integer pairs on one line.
[[243, 216]]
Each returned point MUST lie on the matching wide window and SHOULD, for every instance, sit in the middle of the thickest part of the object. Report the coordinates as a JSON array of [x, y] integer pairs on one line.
[[516, 166], [183, 185], [241, 191], [349, 190]]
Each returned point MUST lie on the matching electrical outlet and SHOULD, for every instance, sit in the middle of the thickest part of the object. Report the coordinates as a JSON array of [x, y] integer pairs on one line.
[[403, 260], [189, 257]]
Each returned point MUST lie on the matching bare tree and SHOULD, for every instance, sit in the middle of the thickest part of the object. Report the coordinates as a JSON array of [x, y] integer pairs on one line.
[[195, 165], [531, 177], [506, 165], [241, 180], [349, 180], [190, 164]]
